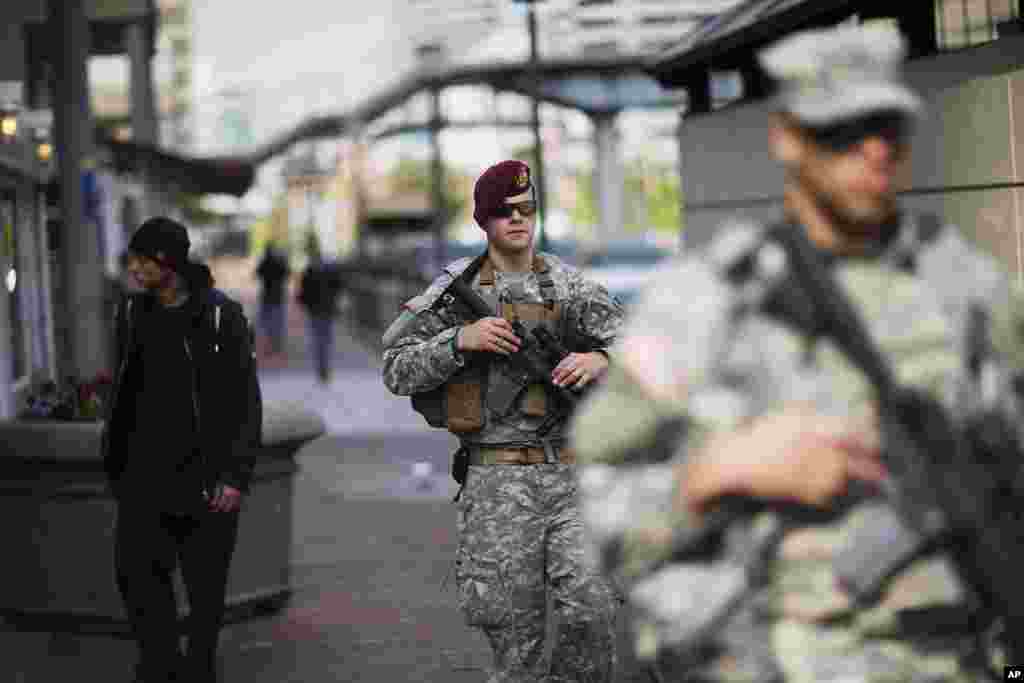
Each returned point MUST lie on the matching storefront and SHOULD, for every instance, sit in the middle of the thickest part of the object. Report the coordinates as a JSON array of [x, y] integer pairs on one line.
[[26, 310]]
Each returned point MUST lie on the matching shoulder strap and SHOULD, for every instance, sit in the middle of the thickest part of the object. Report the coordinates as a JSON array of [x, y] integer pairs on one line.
[[127, 331], [215, 304], [830, 311], [486, 273], [216, 328], [481, 264], [547, 284], [782, 295]]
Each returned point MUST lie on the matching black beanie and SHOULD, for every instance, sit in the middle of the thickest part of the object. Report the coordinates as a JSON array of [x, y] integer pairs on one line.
[[164, 240]]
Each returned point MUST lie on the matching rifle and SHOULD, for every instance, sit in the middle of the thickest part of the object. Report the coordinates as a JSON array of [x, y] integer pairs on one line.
[[536, 358], [955, 485], [945, 486], [535, 354]]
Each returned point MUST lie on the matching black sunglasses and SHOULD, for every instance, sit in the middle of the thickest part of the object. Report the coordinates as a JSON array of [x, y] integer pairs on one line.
[[525, 208], [892, 127]]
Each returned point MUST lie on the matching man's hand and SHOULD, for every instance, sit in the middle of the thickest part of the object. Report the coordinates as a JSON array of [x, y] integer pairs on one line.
[[577, 370], [225, 499], [488, 334], [794, 455]]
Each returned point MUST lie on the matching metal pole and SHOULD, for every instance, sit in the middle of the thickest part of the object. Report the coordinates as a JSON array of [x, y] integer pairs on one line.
[[437, 177], [538, 172], [84, 337]]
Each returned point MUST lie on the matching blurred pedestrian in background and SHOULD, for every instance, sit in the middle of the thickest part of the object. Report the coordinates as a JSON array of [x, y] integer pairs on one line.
[[318, 294], [273, 272], [183, 422]]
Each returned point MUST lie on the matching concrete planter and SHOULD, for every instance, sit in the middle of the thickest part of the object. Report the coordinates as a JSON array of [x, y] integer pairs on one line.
[[58, 523]]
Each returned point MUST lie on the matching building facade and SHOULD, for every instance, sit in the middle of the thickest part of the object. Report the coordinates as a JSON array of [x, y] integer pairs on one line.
[[172, 76], [965, 62]]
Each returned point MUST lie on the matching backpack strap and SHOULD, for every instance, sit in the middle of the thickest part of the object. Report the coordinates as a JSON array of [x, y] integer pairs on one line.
[[127, 332], [547, 284], [216, 328], [486, 273]]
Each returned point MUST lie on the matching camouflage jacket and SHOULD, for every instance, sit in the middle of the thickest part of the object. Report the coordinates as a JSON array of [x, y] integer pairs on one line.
[[419, 354], [735, 363]]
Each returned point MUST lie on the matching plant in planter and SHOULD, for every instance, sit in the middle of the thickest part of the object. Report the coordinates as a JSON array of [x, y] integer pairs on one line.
[[70, 400]]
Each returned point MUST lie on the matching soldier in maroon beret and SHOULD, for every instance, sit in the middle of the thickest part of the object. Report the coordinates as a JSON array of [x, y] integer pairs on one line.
[[520, 537]]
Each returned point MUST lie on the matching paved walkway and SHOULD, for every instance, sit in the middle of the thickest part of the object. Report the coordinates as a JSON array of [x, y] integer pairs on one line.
[[374, 538]]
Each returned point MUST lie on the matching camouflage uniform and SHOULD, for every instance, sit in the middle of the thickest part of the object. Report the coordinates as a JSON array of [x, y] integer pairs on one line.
[[794, 622], [518, 525], [768, 600]]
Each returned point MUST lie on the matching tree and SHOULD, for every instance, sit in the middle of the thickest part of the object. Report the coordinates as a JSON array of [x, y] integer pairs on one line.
[[583, 213], [413, 176], [652, 198]]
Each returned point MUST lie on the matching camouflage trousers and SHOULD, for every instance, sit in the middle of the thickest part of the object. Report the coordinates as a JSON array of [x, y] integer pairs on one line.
[[519, 537]]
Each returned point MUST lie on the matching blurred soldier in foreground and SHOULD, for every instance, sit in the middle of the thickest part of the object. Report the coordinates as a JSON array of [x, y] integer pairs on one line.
[[735, 473], [468, 371]]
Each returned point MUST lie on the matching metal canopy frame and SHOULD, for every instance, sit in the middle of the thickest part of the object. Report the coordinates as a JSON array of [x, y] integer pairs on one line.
[[594, 87], [731, 41]]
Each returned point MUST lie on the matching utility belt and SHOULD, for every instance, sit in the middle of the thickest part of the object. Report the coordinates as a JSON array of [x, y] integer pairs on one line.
[[523, 455], [547, 453]]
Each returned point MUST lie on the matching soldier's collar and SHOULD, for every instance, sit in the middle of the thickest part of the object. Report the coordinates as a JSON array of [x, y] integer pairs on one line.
[[540, 266]]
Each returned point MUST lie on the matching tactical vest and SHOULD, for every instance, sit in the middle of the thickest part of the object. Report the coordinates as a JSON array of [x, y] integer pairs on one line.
[[486, 383]]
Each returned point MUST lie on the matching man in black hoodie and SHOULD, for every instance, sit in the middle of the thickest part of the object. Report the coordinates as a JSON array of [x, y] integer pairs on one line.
[[182, 427]]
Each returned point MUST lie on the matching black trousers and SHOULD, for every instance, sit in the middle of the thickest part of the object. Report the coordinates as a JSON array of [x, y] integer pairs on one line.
[[149, 546]]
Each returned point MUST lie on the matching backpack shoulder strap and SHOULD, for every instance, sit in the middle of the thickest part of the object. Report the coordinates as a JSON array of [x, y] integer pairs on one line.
[[127, 330], [216, 328], [544, 279], [216, 304]]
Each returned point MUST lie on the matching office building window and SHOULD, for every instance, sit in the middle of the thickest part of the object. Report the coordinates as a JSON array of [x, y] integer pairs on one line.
[[963, 23]]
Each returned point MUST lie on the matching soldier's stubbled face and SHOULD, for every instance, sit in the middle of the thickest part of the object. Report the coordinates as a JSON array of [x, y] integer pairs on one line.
[[512, 234], [856, 183]]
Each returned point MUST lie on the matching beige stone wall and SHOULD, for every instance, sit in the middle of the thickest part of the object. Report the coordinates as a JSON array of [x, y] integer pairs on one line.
[[968, 153], [982, 143]]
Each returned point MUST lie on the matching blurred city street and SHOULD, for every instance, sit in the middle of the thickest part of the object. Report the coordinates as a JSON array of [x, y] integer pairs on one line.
[[676, 154], [372, 557]]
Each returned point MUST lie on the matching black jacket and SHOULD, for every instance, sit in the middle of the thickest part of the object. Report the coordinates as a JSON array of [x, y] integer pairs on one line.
[[225, 389], [319, 289]]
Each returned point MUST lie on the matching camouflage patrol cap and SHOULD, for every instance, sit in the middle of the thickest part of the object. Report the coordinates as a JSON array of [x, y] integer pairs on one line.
[[834, 75], [504, 180]]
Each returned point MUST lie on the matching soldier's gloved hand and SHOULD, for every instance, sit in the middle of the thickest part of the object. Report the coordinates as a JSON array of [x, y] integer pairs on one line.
[[577, 370], [488, 334], [795, 455]]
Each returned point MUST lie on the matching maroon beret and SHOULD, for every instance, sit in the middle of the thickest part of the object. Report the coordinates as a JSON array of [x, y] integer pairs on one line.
[[499, 182]]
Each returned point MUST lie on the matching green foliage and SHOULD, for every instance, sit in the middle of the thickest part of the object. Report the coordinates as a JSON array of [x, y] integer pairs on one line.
[[652, 196], [665, 203], [525, 154], [414, 175], [584, 213], [192, 209]]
